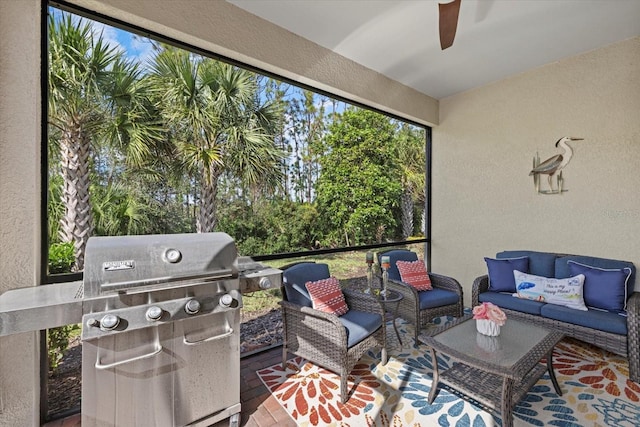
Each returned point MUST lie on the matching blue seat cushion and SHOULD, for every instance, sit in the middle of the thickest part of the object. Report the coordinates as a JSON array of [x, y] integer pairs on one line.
[[600, 320], [397, 255], [509, 302], [359, 325], [295, 277], [540, 263], [437, 298]]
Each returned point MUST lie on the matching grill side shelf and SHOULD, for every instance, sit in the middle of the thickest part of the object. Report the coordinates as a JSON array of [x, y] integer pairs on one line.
[[40, 307]]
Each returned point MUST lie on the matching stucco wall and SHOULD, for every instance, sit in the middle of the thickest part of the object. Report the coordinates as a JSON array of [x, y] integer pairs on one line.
[[483, 197], [19, 199]]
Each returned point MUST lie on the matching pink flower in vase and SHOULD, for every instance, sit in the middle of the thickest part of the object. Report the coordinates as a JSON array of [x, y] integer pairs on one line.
[[490, 311]]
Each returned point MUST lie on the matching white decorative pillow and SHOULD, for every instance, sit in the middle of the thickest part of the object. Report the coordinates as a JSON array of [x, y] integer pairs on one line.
[[567, 292]]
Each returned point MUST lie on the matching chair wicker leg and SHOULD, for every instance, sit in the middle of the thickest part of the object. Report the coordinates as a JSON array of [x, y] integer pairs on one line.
[[634, 364], [343, 387], [284, 355]]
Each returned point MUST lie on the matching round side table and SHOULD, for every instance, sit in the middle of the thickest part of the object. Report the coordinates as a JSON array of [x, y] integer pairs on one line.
[[390, 303]]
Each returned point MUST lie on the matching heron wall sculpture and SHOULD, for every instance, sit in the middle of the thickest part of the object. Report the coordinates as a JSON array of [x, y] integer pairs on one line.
[[552, 167]]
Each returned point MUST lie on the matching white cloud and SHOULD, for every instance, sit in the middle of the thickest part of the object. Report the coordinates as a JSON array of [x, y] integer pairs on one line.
[[109, 35], [140, 48]]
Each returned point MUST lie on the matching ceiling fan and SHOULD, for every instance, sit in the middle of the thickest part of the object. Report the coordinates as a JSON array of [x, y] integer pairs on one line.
[[448, 22]]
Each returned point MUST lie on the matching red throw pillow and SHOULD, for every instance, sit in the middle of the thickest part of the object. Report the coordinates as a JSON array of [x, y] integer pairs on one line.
[[415, 274], [327, 296]]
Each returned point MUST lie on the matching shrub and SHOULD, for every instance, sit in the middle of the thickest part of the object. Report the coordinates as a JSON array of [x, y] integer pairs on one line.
[[58, 343], [61, 258]]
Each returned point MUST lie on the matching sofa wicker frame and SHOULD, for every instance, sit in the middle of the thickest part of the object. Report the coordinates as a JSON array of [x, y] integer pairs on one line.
[[321, 338], [409, 308], [627, 346]]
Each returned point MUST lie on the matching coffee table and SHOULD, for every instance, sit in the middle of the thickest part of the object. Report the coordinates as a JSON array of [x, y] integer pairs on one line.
[[496, 372]]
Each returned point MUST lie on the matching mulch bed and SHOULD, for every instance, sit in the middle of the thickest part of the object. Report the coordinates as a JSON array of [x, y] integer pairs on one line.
[[257, 330]]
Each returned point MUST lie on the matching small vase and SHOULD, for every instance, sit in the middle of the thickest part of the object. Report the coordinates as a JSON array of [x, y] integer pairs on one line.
[[488, 327]]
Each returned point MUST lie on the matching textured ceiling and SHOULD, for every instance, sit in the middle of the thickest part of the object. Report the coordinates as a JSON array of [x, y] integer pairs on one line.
[[495, 38]]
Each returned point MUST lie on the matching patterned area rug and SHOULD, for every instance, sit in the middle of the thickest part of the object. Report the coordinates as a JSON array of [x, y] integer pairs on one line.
[[595, 385]]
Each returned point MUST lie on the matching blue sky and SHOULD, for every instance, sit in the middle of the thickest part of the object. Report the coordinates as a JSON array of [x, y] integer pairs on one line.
[[135, 47]]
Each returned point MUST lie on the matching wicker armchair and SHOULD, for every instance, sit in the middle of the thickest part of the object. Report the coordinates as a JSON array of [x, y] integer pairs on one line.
[[419, 308], [333, 342]]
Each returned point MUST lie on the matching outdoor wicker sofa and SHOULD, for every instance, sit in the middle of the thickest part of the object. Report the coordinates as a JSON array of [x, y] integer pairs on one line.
[[333, 342], [614, 330]]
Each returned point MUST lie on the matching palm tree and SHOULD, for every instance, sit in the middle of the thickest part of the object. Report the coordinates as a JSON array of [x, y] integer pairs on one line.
[[217, 124], [95, 98], [411, 157], [79, 65]]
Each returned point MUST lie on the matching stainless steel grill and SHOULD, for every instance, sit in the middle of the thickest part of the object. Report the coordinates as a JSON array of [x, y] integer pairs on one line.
[[161, 327]]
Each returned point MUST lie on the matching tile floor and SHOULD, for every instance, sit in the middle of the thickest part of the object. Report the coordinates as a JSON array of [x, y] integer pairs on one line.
[[259, 408]]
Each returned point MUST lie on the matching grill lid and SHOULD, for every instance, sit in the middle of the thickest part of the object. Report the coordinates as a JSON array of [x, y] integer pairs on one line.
[[134, 263]]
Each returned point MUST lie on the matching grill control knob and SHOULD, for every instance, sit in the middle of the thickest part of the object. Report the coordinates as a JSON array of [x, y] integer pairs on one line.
[[109, 322], [226, 301], [154, 313], [192, 306], [265, 283]]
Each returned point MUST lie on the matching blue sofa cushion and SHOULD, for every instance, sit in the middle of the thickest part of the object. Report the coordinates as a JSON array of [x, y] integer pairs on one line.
[[507, 301], [359, 325], [437, 298], [603, 288], [397, 255], [600, 320], [295, 277], [540, 263], [501, 272]]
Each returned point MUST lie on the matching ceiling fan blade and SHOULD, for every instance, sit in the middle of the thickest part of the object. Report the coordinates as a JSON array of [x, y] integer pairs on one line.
[[448, 22]]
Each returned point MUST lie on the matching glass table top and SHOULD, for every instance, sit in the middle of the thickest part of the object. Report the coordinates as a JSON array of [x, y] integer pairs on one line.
[[516, 339]]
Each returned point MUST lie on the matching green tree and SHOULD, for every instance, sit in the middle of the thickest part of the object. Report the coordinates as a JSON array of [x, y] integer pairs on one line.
[[79, 66], [95, 99], [359, 187], [411, 156], [217, 125], [308, 123]]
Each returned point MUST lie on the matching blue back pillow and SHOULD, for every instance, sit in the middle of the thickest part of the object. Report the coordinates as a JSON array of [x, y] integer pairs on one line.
[[501, 272], [603, 288]]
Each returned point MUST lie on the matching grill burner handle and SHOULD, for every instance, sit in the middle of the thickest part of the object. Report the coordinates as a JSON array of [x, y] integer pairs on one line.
[[229, 332], [102, 366]]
